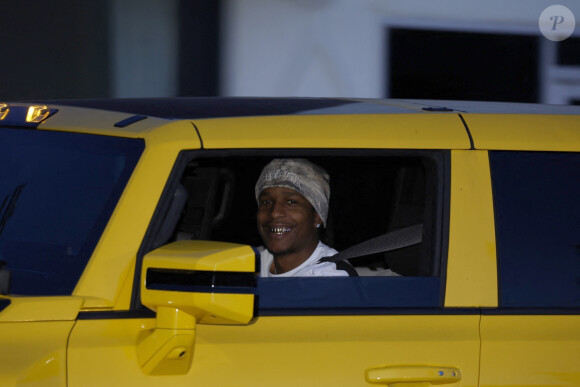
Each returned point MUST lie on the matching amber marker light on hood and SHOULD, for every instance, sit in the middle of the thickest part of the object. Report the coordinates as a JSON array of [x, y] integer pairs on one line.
[[37, 113], [4, 109]]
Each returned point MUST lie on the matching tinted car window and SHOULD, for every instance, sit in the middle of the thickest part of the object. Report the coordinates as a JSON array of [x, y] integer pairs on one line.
[[57, 192], [537, 213]]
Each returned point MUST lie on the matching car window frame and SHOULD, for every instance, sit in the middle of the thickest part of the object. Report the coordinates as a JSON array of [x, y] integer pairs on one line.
[[440, 214]]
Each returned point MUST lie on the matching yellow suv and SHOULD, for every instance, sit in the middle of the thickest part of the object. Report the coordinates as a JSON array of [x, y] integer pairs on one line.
[[129, 247]]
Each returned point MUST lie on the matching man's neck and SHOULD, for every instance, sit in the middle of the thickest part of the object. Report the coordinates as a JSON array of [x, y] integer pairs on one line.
[[283, 263]]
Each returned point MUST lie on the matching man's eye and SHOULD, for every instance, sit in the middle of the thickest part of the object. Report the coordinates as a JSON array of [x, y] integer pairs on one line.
[[292, 201]]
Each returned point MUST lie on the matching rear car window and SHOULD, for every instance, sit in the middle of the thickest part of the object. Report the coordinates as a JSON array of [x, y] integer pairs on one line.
[[57, 193], [537, 214]]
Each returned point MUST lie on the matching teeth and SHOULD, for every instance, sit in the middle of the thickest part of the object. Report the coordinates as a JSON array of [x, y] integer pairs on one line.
[[280, 230]]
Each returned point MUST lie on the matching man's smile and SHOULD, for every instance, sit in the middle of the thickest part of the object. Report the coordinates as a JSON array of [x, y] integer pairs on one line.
[[279, 230]]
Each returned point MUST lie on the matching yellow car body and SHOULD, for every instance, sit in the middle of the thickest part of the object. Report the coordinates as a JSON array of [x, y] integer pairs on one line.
[[138, 314]]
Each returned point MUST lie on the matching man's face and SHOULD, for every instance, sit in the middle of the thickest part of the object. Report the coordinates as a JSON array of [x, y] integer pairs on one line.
[[287, 222]]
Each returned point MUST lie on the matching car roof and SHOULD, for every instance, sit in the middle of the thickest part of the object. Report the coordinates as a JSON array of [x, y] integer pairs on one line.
[[238, 122], [221, 107]]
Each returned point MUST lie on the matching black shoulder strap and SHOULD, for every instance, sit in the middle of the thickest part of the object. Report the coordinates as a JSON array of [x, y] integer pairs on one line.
[[345, 266], [393, 240]]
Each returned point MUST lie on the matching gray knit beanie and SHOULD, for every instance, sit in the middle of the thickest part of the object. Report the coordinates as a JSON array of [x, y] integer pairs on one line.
[[310, 180]]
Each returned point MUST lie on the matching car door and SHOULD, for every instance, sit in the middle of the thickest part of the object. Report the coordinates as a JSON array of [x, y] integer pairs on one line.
[[533, 337], [389, 335], [418, 329]]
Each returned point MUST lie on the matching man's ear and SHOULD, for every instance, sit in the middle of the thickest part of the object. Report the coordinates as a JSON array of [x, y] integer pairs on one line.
[[318, 221]]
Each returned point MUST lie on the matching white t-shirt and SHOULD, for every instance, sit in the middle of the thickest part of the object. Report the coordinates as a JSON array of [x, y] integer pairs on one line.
[[309, 268]]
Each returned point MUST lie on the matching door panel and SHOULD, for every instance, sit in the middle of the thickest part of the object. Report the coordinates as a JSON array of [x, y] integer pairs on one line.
[[530, 350], [333, 350], [284, 350]]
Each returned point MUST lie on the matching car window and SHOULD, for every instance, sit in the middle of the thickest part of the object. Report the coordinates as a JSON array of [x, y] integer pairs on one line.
[[372, 193], [57, 192], [537, 213]]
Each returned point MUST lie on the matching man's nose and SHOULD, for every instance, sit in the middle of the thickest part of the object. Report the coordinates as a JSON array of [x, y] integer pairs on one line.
[[277, 209]]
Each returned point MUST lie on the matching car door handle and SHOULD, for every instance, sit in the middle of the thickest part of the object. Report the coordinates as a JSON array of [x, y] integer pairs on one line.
[[412, 376]]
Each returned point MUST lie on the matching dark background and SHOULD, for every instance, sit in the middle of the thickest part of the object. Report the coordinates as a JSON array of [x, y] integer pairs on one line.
[[62, 49]]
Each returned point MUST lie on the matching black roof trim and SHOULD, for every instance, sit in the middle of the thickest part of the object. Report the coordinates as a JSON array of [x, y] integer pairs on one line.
[[131, 120], [222, 107], [205, 107]]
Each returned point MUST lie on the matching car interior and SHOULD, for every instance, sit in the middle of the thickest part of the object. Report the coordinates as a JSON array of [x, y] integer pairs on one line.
[[211, 197]]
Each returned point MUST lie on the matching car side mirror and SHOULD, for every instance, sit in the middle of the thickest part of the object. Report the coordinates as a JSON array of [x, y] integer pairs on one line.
[[188, 283]]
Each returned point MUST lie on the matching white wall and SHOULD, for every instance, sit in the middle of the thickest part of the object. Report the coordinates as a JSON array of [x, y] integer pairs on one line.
[[337, 47], [284, 47]]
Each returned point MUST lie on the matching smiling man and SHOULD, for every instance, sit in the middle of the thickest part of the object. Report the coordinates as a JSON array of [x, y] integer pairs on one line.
[[293, 197]]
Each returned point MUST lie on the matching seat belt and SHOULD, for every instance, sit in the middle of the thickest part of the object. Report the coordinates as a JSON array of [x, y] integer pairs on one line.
[[393, 240]]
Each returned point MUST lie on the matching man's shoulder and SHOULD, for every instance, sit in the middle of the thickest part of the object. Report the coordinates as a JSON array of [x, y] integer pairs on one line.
[[338, 268], [323, 250]]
